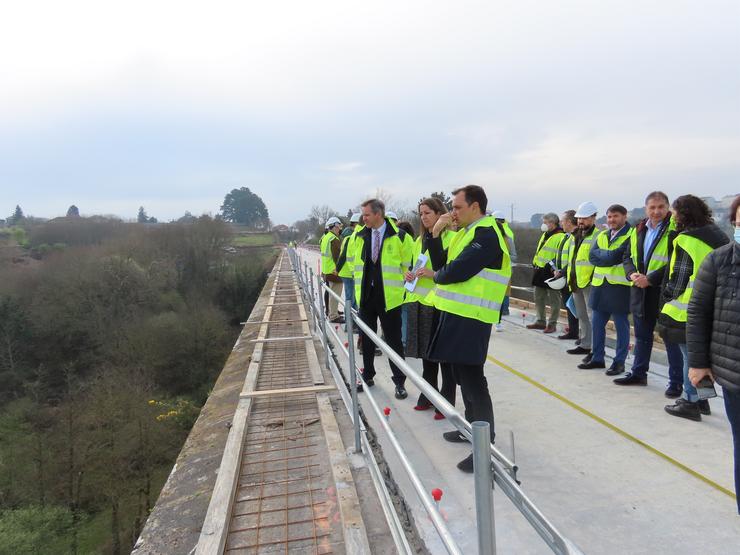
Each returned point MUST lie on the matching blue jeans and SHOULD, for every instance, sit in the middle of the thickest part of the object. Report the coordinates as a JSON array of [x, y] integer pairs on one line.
[[732, 408], [505, 306], [599, 319], [349, 293], [689, 391], [644, 328]]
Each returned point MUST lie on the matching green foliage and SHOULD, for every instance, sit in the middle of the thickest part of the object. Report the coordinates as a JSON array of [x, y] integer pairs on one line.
[[242, 206], [33, 529], [253, 240]]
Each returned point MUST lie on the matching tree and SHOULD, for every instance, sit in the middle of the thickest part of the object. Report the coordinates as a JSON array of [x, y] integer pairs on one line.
[[73, 212], [443, 198], [536, 220], [142, 218], [17, 216], [242, 206]]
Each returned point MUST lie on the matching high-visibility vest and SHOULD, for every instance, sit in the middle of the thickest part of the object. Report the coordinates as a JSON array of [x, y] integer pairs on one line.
[[424, 285], [328, 266], [562, 259], [612, 274], [698, 251], [507, 230], [659, 257], [584, 270], [547, 249], [394, 259], [348, 243], [481, 296]]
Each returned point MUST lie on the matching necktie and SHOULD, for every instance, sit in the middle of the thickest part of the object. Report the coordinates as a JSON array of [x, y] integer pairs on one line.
[[376, 245]]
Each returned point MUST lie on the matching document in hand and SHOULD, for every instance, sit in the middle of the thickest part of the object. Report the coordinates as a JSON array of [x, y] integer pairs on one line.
[[420, 263]]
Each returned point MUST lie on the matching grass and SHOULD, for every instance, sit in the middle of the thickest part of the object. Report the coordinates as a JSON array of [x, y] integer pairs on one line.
[[253, 240]]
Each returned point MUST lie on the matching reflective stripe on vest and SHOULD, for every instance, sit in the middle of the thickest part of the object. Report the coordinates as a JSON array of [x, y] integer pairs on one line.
[[612, 274], [659, 257], [394, 263], [547, 250], [349, 258], [479, 297], [328, 266], [424, 285], [583, 268], [698, 250], [563, 258]]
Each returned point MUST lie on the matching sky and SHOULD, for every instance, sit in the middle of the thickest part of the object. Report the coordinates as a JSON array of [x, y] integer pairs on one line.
[[170, 105]]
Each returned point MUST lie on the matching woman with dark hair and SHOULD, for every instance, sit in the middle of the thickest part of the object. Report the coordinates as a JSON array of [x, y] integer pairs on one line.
[[713, 329], [422, 316], [696, 236]]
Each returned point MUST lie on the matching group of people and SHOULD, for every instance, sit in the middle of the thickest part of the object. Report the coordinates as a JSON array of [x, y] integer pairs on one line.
[[675, 272]]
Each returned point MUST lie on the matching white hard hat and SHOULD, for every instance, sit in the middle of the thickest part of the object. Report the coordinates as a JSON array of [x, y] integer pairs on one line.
[[331, 222], [586, 210], [391, 214], [499, 215], [355, 218], [556, 283]]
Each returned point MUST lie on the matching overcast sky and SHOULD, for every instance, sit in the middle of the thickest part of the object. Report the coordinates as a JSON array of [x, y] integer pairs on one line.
[[170, 104]]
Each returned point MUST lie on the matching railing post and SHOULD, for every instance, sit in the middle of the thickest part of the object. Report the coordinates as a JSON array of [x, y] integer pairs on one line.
[[322, 319], [483, 488], [353, 374]]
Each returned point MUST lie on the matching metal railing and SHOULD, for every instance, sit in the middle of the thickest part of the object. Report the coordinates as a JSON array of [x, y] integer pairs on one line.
[[501, 470]]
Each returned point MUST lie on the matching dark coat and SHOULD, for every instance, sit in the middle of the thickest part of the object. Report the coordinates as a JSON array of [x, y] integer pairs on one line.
[[460, 340], [713, 329], [668, 328], [366, 259], [614, 299], [644, 303]]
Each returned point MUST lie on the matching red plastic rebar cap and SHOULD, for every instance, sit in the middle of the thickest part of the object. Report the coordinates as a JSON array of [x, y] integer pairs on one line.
[[387, 411], [437, 494]]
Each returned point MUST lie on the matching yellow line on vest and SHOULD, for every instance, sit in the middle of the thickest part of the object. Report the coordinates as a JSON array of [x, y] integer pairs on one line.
[[612, 427]]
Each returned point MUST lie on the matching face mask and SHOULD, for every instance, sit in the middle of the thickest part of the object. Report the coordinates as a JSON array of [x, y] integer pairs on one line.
[[544, 228], [737, 234]]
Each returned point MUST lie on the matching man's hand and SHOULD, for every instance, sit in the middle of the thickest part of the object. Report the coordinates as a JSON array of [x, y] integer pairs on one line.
[[444, 221], [409, 276], [698, 374], [640, 280], [425, 272]]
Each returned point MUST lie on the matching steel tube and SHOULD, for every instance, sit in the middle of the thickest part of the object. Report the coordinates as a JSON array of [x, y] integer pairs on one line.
[[483, 488], [322, 319], [353, 379]]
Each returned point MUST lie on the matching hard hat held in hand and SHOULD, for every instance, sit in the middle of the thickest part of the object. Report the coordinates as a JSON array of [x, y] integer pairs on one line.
[[556, 283]]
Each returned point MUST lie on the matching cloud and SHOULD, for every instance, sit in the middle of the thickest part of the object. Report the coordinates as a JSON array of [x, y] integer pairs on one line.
[[343, 167]]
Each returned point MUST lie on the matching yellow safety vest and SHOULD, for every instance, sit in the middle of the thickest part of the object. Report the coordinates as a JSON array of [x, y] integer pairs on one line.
[[698, 251], [394, 260], [328, 266], [659, 257], [349, 257], [481, 296], [424, 285], [547, 249], [579, 260], [612, 274], [507, 230], [562, 260]]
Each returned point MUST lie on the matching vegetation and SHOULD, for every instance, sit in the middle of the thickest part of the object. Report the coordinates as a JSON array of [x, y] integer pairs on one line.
[[253, 240], [242, 206], [109, 344]]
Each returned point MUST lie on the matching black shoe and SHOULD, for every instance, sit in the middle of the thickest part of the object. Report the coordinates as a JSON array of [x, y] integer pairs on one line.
[[337, 320], [466, 465], [359, 387], [378, 352], [567, 336], [587, 358], [615, 369], [454, 437], [631, 379], [704, 407], [369, 382], [590, 365], [684, 409], [673, 391], [578, 351], [401, 392]]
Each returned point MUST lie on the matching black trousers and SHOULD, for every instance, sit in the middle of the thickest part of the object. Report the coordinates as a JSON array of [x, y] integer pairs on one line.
[[449, 385], [474, 391], [572, 320], [372, 310]]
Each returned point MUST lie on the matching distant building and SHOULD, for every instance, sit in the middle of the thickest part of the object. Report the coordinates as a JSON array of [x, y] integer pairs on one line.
[[282, 228], [2, 223]]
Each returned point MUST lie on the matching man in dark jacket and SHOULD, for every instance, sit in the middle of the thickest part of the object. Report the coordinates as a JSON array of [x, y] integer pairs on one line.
[[713, 329], [458, 340], [645, 263], [610, 291]]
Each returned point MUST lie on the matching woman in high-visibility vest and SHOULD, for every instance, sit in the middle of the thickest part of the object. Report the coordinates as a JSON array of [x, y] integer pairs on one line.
[[697, 237], [422, 316]]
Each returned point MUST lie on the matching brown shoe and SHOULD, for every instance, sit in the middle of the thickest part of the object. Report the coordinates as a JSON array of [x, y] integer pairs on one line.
[[536, 326], [550, 328]]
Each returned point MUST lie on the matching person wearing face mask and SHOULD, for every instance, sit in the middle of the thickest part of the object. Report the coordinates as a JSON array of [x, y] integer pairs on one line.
[[610, 291], [544, 262], [713, 329], [645, 264], [697, 236]]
